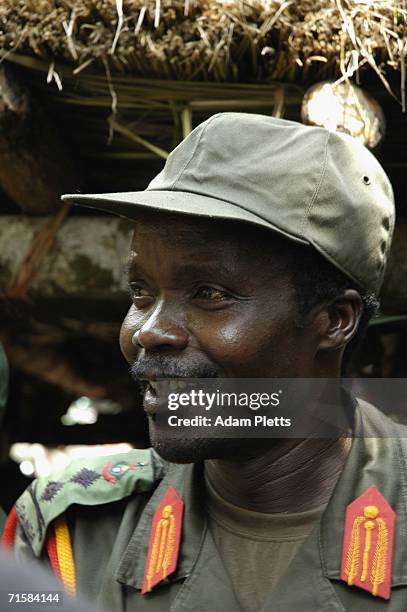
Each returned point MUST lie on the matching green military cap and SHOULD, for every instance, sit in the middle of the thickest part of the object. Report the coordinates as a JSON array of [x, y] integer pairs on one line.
[[314, 186]]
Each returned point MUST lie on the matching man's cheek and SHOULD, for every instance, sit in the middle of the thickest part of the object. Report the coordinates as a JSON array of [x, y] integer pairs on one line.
[[251, 350], [227, 346]]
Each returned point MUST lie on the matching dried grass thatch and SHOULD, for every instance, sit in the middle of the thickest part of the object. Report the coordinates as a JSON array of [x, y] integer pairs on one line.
[[130, 78], [224, 40]]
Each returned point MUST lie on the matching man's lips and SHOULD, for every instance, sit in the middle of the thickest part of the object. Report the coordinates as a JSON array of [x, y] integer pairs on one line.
[[156, 390], [162, 384], [150, 399], [148, 382]]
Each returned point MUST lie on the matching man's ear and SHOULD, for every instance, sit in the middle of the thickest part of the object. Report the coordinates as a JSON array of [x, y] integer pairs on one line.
[[340, 321]]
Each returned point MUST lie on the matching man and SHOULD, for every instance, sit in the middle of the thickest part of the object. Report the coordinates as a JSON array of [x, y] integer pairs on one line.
[[258, 252]]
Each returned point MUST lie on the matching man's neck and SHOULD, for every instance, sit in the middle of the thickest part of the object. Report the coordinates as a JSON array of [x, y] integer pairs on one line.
[[292, 476]]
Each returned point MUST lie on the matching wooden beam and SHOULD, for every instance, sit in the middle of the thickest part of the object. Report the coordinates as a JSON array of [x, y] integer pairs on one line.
[[47, 364], [35, 167], [86, 262]]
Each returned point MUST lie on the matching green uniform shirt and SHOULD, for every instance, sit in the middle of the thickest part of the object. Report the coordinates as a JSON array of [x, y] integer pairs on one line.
[[110, 525], [256, 547]]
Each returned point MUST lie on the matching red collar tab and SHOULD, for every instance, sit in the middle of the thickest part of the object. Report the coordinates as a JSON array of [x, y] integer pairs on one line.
[[368, 543], [165, 540]]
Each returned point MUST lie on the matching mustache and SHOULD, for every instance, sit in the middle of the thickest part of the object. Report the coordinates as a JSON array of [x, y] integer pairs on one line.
[[165, 366]]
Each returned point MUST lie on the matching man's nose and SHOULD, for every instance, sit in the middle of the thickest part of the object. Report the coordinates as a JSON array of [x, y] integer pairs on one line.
[[162, 331]]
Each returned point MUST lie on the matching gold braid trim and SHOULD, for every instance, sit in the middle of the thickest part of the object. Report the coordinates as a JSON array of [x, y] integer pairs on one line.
[[369, 526], [163, 542], [163, 546], [378, 573], [353, 554], [154, 555], [170, 547]]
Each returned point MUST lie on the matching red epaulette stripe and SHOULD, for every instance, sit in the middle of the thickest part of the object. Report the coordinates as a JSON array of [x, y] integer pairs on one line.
[[53, 554], [9, 531]]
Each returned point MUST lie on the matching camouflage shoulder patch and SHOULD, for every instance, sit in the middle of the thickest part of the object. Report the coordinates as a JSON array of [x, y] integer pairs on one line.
[[87, 482]]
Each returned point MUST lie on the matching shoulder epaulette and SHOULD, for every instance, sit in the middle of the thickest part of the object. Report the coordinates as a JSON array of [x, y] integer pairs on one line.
[[87, 482]]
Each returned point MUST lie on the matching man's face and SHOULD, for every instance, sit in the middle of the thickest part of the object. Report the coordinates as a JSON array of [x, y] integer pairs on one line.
[[210, 299]]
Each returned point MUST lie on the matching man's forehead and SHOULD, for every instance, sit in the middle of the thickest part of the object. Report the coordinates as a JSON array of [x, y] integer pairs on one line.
[[191, 241], [203, 232], [187, 227], [178, 237], [186, 243]]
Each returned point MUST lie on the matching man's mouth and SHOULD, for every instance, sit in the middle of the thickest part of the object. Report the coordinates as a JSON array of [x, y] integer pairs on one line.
[[148, 385], [158, 378], [150, 398], [155, 392], [161, 384]]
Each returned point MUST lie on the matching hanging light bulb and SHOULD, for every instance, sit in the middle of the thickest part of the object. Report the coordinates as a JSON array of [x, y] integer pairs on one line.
[[344, 107]]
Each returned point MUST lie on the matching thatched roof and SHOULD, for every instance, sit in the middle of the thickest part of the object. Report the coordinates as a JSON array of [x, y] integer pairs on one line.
[[300, 41], [125, 83]]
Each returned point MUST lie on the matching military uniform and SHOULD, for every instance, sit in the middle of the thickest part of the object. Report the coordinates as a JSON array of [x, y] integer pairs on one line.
[[110, 505], [316, 188]]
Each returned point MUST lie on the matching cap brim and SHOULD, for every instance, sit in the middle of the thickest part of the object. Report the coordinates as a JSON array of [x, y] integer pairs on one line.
[[129, 205]]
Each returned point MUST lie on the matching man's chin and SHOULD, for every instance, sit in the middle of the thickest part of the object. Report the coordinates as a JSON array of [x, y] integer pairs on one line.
[[184, 450], [192, 450]]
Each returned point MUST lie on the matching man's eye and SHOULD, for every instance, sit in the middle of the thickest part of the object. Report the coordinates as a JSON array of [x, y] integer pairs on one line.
[[211, 293]]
